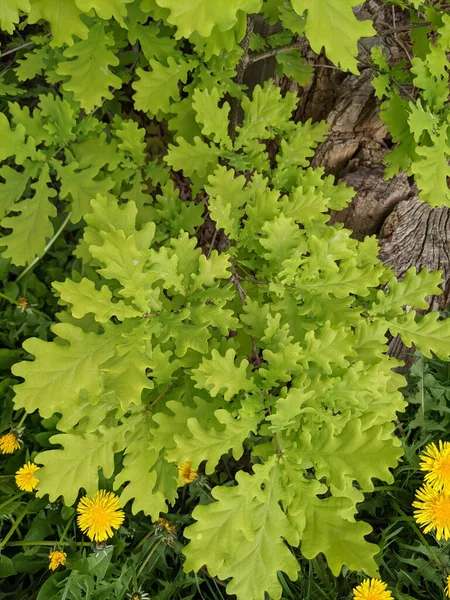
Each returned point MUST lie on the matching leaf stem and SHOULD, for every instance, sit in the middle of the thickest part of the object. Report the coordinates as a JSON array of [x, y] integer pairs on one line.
[[150, 554], [46, 249]]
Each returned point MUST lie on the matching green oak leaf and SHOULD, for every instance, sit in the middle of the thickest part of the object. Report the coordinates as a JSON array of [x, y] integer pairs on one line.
[[203, 15], [81, 187], [106, 9], [85, 299], [80, 460], [60, 373], [32, 226], [87, 73], [341, 541], [156, 89], [431, 172], [213, 120], [357, 452], [428, 334], [332, 24], [64, 18], [243, 531], [219, 374], [210, 444], [9, 13]]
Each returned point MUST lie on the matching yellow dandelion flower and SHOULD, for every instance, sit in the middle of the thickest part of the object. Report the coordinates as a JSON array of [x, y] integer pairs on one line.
[[436, 461], [433, 511], [187, 474], [23, 303], [99, 516], [9, 443], [57, 557], [25, 479], [447, 587], [372, 589], [164, 523]]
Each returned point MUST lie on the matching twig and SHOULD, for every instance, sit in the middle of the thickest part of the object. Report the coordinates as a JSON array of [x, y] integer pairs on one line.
[[404, 28], [240, 70], [234, 279], [255, 57], [21, 47], [26, 45], [401, 44], [157, 399], [211, 247]]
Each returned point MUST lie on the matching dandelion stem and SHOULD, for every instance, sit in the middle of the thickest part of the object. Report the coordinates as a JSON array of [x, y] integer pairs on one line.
[[47, 543], [150, 554], [17, 522], [142, 542], [15, 497], [22, 420], [5, 297], [46, 249], [66, 528]]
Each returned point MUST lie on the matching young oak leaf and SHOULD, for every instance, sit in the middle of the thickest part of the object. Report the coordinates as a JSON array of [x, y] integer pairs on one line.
[[214, 120], [88, 75], [429, 334], [60, 373], [81, 187], [203, 15], [432, 170], [14, 144], [85, 299], [80, 460], [227, 197], [9, 13], [192, 159], [356, 453], [156, 89], [210, 444], [32, 227], [243, 531], [323, 518], [125, 373], [332, 24], [121, 259], [266, 111], [58, 118], [64, 18], [132, 141], [412, 290], [144, 467], [219, 374], [106, 9]]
